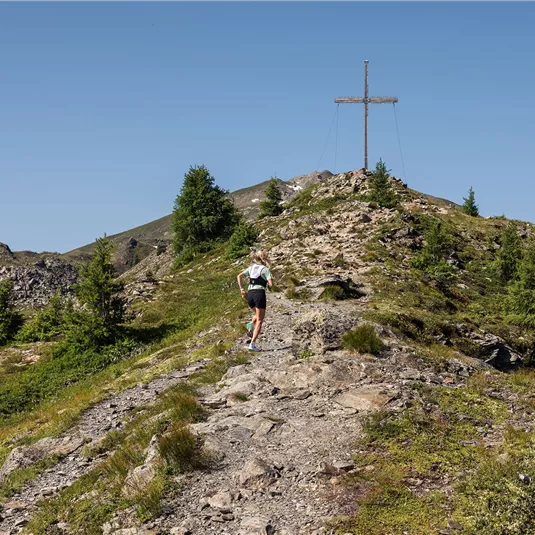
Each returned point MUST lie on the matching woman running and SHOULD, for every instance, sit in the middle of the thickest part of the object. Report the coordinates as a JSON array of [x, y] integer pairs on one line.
[[260, 278]]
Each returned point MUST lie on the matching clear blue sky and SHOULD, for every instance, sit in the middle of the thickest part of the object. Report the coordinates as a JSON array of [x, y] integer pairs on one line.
[[104, 106]]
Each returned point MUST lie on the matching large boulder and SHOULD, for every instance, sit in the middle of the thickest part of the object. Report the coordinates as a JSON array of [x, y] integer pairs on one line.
[[492, 349], [496, 352], [257, 473], [320, 331], [140, 477]]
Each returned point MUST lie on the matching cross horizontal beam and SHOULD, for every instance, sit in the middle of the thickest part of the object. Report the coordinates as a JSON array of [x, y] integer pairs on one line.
[[362, 100]]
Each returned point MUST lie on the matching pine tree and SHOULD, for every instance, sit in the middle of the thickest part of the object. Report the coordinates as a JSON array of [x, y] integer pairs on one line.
[[381, 190], [437, 243], [203, 214], [520, 301], [510, 253], [241, 240], [470, 207], [98, 291], [272, 205], [10, 319]]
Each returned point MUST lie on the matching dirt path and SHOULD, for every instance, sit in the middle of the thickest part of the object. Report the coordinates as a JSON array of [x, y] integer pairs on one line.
[[283, 427]]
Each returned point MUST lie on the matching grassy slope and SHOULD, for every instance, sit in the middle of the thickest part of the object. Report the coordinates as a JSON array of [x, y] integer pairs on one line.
[[183, 309]]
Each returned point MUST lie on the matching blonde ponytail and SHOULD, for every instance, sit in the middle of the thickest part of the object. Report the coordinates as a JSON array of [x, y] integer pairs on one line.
[[261, 257]]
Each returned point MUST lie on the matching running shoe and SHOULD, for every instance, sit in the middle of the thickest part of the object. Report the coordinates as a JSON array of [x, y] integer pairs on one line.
[[249, 326], [253, 347]]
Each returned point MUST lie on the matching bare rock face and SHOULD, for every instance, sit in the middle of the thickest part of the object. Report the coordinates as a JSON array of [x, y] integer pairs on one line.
[[320, 331], [34, 283], [368, 398]]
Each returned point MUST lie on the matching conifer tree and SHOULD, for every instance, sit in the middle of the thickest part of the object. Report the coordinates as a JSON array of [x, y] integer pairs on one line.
[[381, 190], [10, 319], [510, 253], [98, 290], [241, 240], [470, 207], [272, 205], [520, 301], [203, 214], [435, 249]]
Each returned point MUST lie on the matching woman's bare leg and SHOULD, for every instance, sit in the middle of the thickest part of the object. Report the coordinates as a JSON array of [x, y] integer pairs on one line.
[[259, 318]]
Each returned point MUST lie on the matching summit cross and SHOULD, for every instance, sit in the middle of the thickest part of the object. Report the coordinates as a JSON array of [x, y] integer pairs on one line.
[[365, 100]]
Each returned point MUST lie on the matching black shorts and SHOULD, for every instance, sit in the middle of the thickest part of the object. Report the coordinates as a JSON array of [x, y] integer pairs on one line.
[[256, 298]]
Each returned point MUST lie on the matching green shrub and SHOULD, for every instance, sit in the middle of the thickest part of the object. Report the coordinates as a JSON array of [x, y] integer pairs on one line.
[[298, 294], [181, 450], [333, 293], [47, 324], [510, 253], [10, 319], [243, 237], [363, 339], [520, 301], [437, 244], [24, 390]]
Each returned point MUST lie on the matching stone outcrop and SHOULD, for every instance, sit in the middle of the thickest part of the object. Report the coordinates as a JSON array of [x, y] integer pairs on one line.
[[23, 456], [35, 282], [320, 331]]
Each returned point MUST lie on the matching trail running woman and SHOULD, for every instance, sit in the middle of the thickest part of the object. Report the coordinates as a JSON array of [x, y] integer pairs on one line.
[[259, 279]]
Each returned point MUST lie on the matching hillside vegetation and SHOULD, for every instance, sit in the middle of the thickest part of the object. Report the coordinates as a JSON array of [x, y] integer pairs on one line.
[[401, 327]]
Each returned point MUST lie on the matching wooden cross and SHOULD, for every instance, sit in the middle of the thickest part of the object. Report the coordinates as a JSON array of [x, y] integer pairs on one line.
[[365, 100]]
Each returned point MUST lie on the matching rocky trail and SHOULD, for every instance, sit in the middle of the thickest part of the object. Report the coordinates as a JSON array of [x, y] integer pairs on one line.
[[282, 428], [94, 424]]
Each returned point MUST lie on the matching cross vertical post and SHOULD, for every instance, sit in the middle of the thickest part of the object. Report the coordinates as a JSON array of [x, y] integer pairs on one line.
[[365, 114], [365, 100]]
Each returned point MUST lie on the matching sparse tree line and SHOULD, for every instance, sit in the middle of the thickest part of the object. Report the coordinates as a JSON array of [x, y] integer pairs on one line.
[[203, 217], [94, 322]]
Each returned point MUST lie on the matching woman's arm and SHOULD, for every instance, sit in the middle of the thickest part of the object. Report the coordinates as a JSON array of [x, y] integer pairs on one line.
[[242, 291]]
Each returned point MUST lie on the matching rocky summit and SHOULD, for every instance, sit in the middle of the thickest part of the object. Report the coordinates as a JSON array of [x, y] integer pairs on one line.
[[393, 393]]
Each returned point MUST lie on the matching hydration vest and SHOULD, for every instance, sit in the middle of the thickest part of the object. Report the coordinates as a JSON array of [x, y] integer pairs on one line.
[[255, 277]]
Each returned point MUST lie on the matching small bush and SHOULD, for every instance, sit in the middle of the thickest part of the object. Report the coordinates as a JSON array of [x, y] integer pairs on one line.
[[437, 245], [520, 301], [510, 253], [240, 397], [181, 450], [298, 294], [333, 293], [243, 237], [363, 339], [47, 323]]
